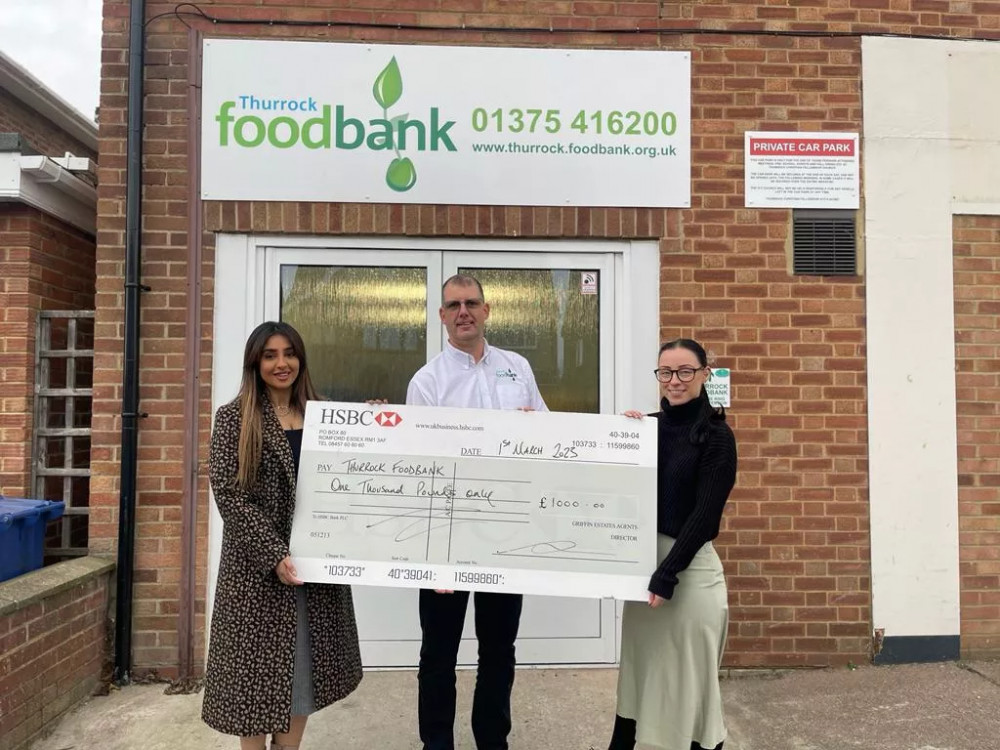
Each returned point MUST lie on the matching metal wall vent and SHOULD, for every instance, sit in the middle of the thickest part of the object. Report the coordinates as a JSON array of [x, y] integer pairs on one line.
[[824, 243]]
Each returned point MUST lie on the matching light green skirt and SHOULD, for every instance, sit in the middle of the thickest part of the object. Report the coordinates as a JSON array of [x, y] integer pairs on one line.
[[670, 657]]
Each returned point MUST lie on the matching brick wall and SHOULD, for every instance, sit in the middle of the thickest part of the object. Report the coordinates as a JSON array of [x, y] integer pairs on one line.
[[42, 135], [53, 645], [795, 542], [44, 265], [977, 353]]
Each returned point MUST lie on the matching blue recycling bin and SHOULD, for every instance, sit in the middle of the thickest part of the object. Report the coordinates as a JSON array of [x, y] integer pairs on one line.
[[22, 533]]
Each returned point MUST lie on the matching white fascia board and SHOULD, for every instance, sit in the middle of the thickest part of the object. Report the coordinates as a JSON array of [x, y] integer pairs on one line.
[[76, 163], [47, 170], [39, 182], [10, 175]]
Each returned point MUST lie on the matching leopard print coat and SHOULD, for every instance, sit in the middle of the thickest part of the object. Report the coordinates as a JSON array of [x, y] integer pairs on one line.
[[248, 680]]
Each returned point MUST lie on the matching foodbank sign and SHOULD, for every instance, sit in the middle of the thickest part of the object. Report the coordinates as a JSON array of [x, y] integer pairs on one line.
[[718, 387], [249, 122], [307, 121]]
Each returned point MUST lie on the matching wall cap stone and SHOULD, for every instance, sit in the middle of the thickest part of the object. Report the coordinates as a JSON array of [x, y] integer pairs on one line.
[[38, 585]]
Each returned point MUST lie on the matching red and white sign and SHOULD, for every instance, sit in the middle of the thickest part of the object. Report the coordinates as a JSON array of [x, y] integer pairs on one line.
[[388, 418], [802, 170]]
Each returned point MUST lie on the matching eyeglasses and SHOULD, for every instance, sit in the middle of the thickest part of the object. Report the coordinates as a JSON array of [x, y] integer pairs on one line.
[[454, 305], [684, 374]]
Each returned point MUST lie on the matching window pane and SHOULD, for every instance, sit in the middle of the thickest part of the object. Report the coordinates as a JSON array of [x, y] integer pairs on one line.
[[551, 317], [365, 329]]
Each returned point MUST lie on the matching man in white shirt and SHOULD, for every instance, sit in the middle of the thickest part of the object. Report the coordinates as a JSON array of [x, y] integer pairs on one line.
[[469, 373]]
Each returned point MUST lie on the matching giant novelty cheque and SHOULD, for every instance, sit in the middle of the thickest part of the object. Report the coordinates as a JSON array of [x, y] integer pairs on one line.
[[476, 499]]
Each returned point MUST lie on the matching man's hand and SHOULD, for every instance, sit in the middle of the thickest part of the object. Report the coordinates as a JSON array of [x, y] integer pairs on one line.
[[655, 601], [443, 591], [286, 573]]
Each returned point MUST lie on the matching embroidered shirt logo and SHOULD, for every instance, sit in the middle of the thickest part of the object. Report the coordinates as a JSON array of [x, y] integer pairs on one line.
[[388, 418], [507, 374]]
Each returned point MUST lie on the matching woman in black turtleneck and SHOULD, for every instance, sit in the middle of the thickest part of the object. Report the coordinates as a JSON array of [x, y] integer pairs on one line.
[[668, 683]]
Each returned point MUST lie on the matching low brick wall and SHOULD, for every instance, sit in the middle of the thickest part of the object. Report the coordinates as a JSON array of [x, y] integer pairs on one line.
[[53, 644]]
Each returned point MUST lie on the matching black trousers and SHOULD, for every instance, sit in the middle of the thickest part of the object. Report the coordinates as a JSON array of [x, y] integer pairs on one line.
[[442, 617]]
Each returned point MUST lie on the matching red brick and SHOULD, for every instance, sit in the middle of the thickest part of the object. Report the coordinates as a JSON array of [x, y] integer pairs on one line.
[[723, 277], [978, 440]]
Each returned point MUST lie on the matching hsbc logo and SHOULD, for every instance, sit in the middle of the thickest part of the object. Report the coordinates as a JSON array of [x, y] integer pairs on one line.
[[388, 418], [346, 416], [363, 417]]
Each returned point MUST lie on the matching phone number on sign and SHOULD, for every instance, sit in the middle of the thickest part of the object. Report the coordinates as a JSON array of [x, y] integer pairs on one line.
[[615, 122]]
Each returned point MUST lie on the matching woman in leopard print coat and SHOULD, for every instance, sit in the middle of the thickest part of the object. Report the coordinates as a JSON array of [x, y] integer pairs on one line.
[[252, 651]]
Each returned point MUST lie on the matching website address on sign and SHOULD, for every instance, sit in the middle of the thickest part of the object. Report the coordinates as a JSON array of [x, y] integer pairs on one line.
[[439, 426], [574, 149]]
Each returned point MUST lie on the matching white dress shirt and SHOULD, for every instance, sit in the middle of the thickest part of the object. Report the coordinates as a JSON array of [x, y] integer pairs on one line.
[[500, 380]]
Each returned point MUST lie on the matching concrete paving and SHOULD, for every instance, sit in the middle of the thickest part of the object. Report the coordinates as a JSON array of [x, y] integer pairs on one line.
[[913, 707]]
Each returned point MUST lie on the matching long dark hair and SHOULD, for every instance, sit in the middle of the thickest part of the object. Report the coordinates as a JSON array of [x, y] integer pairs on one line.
[[708, 414], [253, 395]]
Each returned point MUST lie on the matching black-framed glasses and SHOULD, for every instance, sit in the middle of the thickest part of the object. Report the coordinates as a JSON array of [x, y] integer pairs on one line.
[[684, 374], [454, 305]]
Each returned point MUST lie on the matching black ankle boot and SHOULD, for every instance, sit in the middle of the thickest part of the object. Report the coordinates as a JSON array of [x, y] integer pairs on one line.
[[696, 746], [623, 735]]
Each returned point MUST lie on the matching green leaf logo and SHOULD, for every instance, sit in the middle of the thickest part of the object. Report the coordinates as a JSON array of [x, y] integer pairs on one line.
[[401, 175], [396, 123], [388, 86], [387, 90]]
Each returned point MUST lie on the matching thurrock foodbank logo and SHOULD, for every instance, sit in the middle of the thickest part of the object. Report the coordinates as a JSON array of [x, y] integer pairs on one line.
[[334, 127]]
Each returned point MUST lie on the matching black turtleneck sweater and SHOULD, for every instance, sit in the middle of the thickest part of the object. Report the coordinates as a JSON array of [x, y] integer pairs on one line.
[[693, 484]]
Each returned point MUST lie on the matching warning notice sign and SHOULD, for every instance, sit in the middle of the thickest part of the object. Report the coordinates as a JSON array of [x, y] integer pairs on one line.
[[802, 170]]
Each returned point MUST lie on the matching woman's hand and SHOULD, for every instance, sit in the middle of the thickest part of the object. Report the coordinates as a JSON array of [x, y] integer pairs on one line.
[[376, 401], [286, 573], [634, 414], [654, 600], [444, 591]]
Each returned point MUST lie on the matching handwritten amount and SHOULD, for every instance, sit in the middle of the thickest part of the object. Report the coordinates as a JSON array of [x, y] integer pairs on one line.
[[369, 486]]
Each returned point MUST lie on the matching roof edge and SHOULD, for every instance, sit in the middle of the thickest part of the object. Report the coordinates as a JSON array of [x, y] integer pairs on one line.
[[23, 86], [43, 183]]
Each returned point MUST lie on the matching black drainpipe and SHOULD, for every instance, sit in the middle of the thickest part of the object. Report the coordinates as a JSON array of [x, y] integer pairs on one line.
[[130, 374]]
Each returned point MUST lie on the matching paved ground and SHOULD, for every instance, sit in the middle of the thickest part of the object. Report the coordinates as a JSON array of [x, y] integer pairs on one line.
[[914, 707]]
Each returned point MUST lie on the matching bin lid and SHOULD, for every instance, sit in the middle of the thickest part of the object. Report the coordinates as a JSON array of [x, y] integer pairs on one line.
[[14, 508]]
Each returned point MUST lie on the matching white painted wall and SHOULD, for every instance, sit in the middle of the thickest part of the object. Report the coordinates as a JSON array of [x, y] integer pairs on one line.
[[931, 149]]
